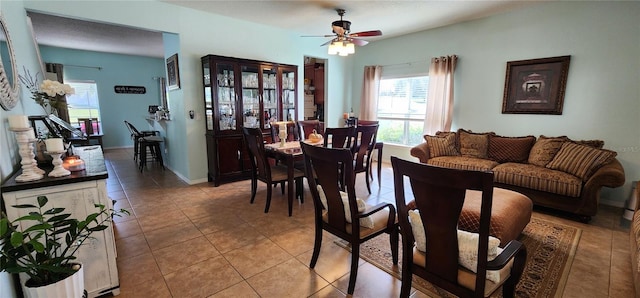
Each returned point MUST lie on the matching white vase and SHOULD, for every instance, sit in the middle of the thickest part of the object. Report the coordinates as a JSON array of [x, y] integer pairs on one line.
[[71, 287]]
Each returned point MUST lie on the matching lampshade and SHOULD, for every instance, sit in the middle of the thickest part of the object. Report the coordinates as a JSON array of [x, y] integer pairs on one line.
[[334, 48], [349, 47], [342, 48]]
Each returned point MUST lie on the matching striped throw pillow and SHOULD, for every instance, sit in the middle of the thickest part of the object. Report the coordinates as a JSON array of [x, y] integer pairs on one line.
[[580, 160], [442, 145]]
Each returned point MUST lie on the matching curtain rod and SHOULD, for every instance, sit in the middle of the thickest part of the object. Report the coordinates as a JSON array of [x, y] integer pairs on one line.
[[403, 64], [83, 66]]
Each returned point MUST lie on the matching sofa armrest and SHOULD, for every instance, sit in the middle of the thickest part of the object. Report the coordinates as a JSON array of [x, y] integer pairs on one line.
[[421, 151], [609, 175]]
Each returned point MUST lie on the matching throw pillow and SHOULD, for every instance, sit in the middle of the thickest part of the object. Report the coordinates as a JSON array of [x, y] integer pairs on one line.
[[473, 144], [442, 145], [366, 222], [580, 160], [598, 144], [467, 246], [545, 149], [510, 149]]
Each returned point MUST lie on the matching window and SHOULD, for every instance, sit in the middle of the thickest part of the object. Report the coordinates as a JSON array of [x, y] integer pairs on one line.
[[83, 106], [402, 104]]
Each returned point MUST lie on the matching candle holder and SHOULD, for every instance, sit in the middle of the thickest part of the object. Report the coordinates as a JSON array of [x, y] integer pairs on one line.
[[58, 170], [30, 170]]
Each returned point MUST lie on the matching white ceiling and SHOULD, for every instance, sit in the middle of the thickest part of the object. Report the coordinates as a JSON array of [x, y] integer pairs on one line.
[[308, 17]]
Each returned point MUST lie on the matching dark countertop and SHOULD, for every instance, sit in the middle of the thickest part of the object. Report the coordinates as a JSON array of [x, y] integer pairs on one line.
[[95, 169]]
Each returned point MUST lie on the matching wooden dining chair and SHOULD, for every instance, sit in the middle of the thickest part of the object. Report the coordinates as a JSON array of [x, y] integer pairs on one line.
[[364, 143], [306, 127], [432, 246], [378, 146], [334, 210], [262, 170], [339, 137]]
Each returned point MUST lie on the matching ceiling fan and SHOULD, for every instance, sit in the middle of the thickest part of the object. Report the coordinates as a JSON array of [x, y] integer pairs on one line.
[[343, 40]]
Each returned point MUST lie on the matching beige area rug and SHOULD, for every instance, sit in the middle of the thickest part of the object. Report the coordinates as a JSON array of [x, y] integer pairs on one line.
[[550, 251]]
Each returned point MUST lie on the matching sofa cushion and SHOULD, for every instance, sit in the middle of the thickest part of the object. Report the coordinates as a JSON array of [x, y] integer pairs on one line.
[[442, 145], [580, 160], [510, 149], [538, 178], [598, 144], [545, 149], [473, 144], [463, 163]]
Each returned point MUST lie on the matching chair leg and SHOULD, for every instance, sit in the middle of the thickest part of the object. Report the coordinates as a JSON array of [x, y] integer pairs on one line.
[[254, 186], [366, 179], [266, 207], [405, 288], [355, 258], [316, 246], [393, 239], [282, 187], [300, 189], [519, 260]]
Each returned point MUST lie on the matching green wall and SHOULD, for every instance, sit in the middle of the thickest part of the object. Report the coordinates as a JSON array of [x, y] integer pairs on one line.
[[602, 99], [114, 69]]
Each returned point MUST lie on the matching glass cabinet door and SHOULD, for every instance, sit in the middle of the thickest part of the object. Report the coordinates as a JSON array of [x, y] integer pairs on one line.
[[289, 94], [269, 97], [226, 94], [250, 96], [208, 101]]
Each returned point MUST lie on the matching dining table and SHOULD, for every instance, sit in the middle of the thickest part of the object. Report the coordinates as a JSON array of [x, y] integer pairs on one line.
[[289, 152]]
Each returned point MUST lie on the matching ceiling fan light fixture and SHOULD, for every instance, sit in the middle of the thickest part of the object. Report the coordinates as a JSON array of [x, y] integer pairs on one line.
[[334, 48], [349, 47]]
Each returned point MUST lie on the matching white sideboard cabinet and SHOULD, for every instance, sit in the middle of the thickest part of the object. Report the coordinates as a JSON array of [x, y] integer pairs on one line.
[[78, 194]]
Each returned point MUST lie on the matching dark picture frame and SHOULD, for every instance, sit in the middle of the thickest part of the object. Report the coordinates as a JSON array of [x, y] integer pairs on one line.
[[173, 72], [536, 86]]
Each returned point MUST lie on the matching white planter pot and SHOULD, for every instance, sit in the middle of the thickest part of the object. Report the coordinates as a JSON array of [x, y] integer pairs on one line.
[[71, 287]]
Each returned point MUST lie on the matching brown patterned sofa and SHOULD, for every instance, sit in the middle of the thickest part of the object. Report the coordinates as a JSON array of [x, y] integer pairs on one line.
[[554, 172], [634, 241]]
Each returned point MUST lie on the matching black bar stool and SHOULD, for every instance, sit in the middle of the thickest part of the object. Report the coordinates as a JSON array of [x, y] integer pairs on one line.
[[150, 144]]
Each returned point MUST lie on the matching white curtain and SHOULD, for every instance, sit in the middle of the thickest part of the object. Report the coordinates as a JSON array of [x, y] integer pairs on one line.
[[369, 99], [440, 97]]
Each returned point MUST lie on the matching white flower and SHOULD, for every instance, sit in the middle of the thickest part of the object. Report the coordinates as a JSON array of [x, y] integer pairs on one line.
[[53, 88]]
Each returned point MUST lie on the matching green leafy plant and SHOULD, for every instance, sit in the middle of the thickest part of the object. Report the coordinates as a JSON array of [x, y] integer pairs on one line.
[[43, 243]]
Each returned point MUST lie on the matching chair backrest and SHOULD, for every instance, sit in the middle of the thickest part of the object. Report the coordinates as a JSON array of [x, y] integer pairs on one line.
[[329, 164], [340, 137], [306, 127], [367, 122], [439, 195], [364, 141], [132, 129], [292, 132], [255, 143]]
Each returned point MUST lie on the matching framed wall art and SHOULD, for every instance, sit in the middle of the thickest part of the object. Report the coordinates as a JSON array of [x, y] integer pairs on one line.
[[535, 86], [173, 73]]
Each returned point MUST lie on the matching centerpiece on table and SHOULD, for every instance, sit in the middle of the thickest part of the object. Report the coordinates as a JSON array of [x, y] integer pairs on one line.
[[43, 244]]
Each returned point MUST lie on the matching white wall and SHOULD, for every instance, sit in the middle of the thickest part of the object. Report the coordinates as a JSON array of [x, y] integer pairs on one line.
[[602, 99]]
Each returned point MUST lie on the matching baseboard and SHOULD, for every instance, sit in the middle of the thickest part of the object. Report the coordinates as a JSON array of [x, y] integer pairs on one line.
[[183, 178], [614, 203]]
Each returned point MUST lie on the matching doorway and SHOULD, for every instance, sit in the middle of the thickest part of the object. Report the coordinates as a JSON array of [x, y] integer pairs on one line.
[[314, 88]]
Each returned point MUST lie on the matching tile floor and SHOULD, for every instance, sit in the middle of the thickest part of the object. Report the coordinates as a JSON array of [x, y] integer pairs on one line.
[[202, 241]]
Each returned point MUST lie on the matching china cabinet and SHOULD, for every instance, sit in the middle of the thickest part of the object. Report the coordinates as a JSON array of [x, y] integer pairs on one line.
[[242, 93]]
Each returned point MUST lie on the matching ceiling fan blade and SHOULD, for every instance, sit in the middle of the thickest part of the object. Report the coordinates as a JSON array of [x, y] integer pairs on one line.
[[328, 35], [326, 43], [358, 42], [366, 33]]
